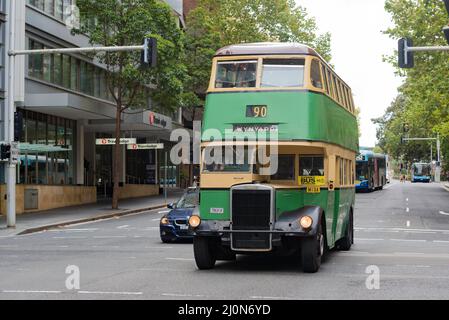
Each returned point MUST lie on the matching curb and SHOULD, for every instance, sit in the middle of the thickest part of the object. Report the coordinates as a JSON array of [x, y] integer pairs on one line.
[[445, 186], [90, 219]]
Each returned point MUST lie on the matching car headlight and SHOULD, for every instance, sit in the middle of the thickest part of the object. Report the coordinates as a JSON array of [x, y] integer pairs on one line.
[[165, 221], [306, 222], [194, 221]]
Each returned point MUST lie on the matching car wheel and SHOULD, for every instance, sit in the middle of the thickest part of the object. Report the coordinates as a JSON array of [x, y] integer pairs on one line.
[[312, 250], [166, 240], [204, 252], [345, 243]]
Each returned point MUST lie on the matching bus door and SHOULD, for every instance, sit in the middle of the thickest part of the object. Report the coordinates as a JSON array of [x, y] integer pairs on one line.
[[376, 173]]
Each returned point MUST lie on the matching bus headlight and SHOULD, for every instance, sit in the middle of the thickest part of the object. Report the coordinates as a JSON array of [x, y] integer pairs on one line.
[[164, 221], [306, 222], [194, 221]]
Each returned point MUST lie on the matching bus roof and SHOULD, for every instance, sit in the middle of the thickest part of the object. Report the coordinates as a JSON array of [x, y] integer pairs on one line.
[[266, 48]]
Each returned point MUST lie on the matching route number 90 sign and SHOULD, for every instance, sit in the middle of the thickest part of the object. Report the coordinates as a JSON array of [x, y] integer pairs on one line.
[[256, 111]]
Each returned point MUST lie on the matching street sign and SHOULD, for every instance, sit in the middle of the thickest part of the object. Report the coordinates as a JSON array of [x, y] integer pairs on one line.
[[14, 152], [111, 141], [405, 56], [146, 146]]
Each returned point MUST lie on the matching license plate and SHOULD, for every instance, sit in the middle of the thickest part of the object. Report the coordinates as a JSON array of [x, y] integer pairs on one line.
[[313, 189], [184, 227]]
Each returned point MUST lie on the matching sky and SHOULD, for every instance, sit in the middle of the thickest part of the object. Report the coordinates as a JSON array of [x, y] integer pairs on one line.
[[357, 49]]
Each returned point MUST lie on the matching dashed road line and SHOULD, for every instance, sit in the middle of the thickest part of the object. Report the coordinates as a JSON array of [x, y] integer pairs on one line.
[[408, 240], [111, 293], [32, 291]]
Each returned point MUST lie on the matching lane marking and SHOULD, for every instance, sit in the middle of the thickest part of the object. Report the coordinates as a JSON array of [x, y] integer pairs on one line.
[[164, 211], [271, 298], [407, 210], [69, 237], [123, 227], [109, 237], [408, 240], [406, 199], [440, 241], [180, 259], [421, 232], [158, 219], [30, 291], [74, 230], [408, 224], [112, 292], [444, 213], [367, 239], [181, 295], [399, 229]]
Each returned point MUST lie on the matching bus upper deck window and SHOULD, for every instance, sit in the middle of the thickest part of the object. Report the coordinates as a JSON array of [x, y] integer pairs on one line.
[[311, 166], [283, 73], [236, 74], [315, 75]]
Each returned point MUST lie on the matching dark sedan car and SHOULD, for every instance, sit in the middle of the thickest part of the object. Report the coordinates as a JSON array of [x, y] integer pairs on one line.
[[174, 225]]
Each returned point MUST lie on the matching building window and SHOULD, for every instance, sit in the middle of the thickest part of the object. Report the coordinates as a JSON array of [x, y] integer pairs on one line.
[[46, 149]]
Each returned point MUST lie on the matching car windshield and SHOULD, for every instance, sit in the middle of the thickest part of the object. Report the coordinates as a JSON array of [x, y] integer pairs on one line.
[[189, 200]]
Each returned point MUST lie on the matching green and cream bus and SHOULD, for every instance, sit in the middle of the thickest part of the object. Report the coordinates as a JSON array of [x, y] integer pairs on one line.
[[306, 205]]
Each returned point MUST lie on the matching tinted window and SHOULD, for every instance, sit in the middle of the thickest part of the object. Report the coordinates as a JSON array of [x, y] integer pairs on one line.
[[283, 73]]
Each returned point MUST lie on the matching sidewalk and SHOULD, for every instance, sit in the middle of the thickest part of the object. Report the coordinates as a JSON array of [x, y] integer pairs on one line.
[[38, 221]]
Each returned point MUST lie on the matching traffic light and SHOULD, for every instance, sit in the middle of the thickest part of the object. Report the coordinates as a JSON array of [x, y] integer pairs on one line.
[[149, 53], [18, 125], [406, 57], [5, 152]]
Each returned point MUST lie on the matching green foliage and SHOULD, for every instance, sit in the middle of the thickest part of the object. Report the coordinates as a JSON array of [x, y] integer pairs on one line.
[[423, 101], [214, 24], [128, 22]]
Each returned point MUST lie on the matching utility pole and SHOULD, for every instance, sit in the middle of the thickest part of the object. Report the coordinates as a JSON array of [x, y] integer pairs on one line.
[[10, 168], [148, 59]]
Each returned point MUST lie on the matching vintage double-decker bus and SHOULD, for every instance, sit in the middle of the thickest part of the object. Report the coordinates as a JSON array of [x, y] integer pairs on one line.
[[305, 205]]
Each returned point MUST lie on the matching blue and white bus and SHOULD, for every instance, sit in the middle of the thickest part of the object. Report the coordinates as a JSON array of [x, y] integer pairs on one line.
[[421, 172], [371, 171]]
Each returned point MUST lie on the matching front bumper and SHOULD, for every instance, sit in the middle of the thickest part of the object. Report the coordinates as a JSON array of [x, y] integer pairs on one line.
[[173, 232]]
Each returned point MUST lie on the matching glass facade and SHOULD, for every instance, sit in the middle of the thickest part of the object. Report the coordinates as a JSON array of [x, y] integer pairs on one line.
[[58, 9], [46, 149], [141, 166], [68, 72]]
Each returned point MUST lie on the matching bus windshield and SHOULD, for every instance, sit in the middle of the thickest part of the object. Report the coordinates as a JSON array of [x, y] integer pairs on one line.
[[236, 74], [362, 170], [226, 159], [421, 170], [283, 73]]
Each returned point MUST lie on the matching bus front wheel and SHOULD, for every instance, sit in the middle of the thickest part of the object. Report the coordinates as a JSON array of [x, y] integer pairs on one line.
[[204, 252], [312, 250], [345, 243]]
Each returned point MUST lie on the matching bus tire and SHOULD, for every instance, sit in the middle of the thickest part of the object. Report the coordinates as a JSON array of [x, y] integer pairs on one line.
[[312, 250], [204, 252], [345, 243]]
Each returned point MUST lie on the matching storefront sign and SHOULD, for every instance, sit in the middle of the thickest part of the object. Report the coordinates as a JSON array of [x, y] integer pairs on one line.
[[111, 141], [157, 120], [146, 146]]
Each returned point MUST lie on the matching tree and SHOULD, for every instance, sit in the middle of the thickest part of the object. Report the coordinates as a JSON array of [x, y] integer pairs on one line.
[[214, 24], [423, 100], [128, 22]]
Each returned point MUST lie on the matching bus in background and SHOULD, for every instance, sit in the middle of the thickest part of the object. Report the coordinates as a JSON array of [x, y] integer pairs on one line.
[[371, 171], [421, 172], [304, 208]]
